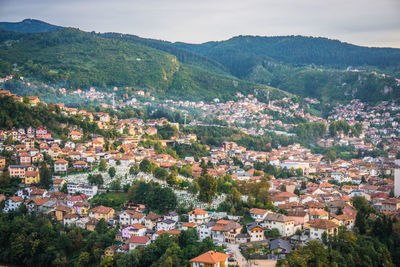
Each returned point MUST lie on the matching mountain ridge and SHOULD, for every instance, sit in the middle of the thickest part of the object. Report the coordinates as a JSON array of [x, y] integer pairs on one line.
[[306, 66]]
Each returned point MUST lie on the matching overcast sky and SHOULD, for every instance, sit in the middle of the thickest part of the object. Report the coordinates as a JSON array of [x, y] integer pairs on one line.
[[362, 22]]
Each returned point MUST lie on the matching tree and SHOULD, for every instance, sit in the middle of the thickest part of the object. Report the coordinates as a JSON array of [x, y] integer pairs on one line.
[[297, 191], [83, 259], [330, 155], [145, 166], [172, 179], [45, 176], [160, 173], [64, 188], [115, 185], [131, 259], [112, 172], [273, 233], [208, 188], [193, 188], [95, 179], [103, 165], [134, 170], [186, 171]]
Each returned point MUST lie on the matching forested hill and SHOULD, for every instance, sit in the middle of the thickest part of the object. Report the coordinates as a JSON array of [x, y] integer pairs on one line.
[[77, 59], [30, 25], [295, 50], [305, 66]]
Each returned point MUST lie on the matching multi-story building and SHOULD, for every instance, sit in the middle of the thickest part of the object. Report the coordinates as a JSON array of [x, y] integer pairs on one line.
[[198, 216]]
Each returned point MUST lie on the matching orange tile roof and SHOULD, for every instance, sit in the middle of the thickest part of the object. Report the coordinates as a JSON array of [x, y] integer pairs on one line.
[[210, 257], [101, 210], [258, 211], [198, 212], [322, 224]]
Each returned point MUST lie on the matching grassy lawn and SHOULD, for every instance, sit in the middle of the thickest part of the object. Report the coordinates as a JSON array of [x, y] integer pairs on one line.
[[114, 200]]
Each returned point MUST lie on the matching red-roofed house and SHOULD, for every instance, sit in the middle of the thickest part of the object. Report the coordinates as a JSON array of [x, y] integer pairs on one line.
[[198, 216], [136, 241]]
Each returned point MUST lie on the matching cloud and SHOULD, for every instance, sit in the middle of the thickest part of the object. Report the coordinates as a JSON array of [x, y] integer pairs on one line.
[[363, 22]]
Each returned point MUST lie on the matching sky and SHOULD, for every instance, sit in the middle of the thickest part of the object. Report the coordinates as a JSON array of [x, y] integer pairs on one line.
[[361, 22]]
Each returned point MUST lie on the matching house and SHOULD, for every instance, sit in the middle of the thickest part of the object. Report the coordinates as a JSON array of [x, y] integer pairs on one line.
[[75, 135], [60, 165], [58, 184], [70, 219], [61, 211], [190, 225], [81, 208], [151, 220], [13, 203], [318, 214], [31, 177], [284, 224], [390, 205], [172, 215], [102, 212], [80, 164], [88, 190], [166, 225], [17, 171], [136, 241], [135, 229], [320, 226], [258, 214], [198, 216], [284, 197], [204, 230], [34, 205], [33, 100], [128, 217], [242, 238], [255, 232], [347, 220], [225, 231], [210, 259], [280, 246], [25, 159]]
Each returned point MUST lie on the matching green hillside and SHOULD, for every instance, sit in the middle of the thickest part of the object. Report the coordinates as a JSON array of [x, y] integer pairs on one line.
[[78, 59], [30, 25], [305, 66], [308, 66]]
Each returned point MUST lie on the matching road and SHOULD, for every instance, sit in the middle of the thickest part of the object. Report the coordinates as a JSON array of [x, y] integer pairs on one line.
[[238, 256]]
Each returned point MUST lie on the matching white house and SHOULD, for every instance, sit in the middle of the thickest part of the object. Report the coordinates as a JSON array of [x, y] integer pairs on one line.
[[284, 224], [198, 216], [166, 225], [258, 214], [320, 226], [13, 203], [128, 217], [204, 230], [136, 241]]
